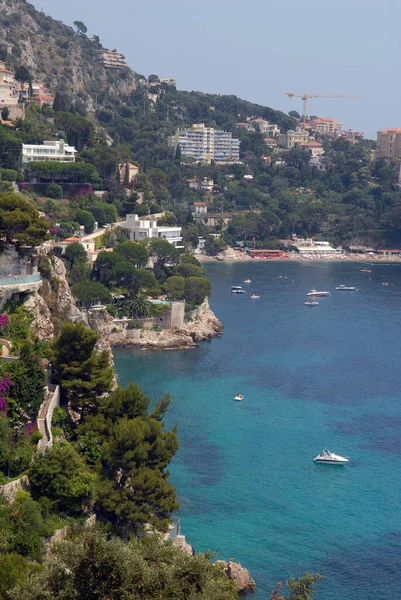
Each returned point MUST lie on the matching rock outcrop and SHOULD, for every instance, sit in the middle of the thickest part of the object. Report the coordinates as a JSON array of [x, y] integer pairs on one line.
[[54, 303], [203, 325], [240, 576]]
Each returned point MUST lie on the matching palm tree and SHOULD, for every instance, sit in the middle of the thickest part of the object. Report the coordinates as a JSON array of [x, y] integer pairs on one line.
[[140, 305]]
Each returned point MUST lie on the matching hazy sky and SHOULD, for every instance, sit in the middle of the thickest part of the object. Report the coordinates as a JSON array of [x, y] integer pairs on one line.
[[259, 50]]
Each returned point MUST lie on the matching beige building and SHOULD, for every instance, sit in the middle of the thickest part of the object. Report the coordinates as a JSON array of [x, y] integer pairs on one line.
[[292, 138], [8, 87], [316, 148], [389, 144]]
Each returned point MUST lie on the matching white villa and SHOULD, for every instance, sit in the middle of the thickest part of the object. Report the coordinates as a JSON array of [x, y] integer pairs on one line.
[[54, 150], [141, 229]]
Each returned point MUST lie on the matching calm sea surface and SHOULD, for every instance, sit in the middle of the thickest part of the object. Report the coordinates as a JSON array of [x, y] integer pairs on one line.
[[313, 378]]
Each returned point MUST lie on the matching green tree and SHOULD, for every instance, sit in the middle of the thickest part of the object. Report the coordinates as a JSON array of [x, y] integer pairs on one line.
[[162, 251], [14, 570], [196, 290], [134, 252], [214, 246], [28, 377], [54, 190], [175, 287], [85, 218], [22, 74], [140, 305], [83, 372], [5, 113], [20, 221], [81, 27], [62, 475], [91, 292], [75, 253], [302, 588], [91, 567]]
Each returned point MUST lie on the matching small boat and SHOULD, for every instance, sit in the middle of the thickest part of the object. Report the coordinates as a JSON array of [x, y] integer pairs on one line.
[[346, 288], [317, 293], [329, 458], [237, 289], [311, 303], [239, 397], [365, 270], [385, 283], [254, 296], [247, 281]]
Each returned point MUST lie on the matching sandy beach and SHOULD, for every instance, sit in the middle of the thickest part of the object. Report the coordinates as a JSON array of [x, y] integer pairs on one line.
[[291, 256]]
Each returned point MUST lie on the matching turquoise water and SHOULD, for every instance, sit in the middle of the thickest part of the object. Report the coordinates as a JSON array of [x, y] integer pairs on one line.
[[313, 378]]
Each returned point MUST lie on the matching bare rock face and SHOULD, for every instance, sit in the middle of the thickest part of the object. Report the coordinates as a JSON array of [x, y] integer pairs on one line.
[[240, 576], [42, 323], [204, 324]]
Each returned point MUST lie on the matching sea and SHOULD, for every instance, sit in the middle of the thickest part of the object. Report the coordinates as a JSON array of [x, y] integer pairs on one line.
[[327, 376]]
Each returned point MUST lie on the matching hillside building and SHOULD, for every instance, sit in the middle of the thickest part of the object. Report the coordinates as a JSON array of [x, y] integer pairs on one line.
[[269, 129], [292, 138], [389, 144], [111, 59], [54, 150], [199, 208], [142, 229], [206, 144], [316, 148], [168, 81], [326, 125], [8, 87]]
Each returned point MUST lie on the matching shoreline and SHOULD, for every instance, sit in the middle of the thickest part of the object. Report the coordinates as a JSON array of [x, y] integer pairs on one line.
[[359, 258]]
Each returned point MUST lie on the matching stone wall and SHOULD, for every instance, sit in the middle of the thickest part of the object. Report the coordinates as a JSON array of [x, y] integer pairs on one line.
[[14, 263], [52, 399], [9, 490]]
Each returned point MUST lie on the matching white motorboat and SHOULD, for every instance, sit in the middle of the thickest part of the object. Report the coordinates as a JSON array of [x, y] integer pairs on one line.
[[237, 289], [247, 281], [329, 458], [365, 270], [239, 397], [346, 288], [254, 296], [311, 303], [317, 293]]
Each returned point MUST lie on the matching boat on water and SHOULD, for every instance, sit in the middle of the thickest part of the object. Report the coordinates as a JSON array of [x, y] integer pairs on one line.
[[254, 296], [247, 281], [311, 303], [239, 397], [346, 288], [329, 458], [318, 293], [237, 289], [365, 270]]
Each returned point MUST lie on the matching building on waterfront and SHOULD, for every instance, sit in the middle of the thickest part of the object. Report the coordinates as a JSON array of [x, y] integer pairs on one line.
[[389, 144], [206, 144], [111, 59], [316, 148], [142, 229], [54, 150], [292, 138], [311, 247], [326, 125]]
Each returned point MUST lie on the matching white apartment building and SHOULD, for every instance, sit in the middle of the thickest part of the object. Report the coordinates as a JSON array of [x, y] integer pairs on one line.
[[207, 144], [311, 247], [57, 151], [142, 229], [168, 81]]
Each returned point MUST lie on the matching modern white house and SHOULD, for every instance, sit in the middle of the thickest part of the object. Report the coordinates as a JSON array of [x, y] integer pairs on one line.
[[54, 150], [142, 229], [311, 247]]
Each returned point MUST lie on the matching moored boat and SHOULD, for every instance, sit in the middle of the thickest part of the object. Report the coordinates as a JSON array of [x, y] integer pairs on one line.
[[346, 288], [254, 296], [311, 303], [237, 289], [239, 397], [247, 281], [318, 293], [365, 270], [329, 458]]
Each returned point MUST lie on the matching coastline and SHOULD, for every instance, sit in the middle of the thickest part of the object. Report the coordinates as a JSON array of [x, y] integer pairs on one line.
[[292, 257]]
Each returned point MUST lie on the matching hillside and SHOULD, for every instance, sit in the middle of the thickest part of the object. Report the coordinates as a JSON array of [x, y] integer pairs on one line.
[[57, 55]]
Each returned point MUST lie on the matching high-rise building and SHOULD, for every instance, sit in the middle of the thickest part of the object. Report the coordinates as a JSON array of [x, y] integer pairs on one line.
[[389, 144], [207, 144]]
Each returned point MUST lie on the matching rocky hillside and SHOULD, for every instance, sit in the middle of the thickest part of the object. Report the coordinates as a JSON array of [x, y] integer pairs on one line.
[[57, 55]]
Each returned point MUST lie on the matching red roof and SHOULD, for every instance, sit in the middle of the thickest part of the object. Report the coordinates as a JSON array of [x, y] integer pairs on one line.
[[200, 204]]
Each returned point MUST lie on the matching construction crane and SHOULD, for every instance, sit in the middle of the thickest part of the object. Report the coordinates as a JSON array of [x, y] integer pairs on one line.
[[305, 98]]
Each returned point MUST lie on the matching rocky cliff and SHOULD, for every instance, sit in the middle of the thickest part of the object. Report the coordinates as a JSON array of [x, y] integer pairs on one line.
[[239, 575], [57, 55], [53, 304]]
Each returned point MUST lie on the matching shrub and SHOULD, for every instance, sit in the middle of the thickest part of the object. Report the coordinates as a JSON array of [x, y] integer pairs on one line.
[[54, 190]]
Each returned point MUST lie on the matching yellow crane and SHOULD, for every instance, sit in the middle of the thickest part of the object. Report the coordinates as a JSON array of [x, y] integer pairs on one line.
[[305, 98]]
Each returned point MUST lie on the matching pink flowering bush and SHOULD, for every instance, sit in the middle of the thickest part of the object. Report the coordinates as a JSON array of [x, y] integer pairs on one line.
[[4, 321]]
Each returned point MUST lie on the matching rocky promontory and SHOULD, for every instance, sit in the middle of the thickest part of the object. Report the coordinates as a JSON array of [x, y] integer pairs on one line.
[[239, 575], [202, 325]]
